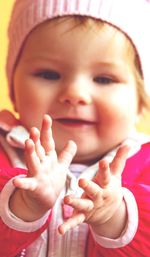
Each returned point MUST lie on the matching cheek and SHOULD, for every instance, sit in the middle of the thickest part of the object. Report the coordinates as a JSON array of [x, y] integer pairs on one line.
[[115, 126], [30, 96], [118, 112], [31, 106]]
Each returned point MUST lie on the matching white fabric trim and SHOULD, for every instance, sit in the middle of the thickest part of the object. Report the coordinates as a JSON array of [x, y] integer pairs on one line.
[[17, 136], [131, 226], [10, 219]]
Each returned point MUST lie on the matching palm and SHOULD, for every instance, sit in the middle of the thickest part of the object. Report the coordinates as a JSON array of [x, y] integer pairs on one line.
[[46, 171], [102, 196]]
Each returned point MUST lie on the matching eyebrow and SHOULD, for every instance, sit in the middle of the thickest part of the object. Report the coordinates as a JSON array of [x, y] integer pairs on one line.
[[44, 58], [104, 64], [110, 64]]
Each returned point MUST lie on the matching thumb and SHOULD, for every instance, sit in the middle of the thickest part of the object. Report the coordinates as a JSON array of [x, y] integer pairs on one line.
[[118, 163], [67, 154]]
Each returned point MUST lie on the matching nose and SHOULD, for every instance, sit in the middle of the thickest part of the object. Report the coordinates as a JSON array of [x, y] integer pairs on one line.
[[76, 93]]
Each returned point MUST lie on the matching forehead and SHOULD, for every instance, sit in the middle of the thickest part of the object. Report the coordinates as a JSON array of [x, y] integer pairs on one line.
[[76, 23], [80, 25], [85, 34]]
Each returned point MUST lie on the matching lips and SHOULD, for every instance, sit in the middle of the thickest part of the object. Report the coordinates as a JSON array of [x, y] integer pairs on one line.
[[74, 121]]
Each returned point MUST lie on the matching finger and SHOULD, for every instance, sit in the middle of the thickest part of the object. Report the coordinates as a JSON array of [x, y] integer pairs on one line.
[[118, 163], [103, 175], [32, 160], [25, 183], [79, 204], [35, 136], [46, 137], [72, 222], [91, 189], [69, 151]]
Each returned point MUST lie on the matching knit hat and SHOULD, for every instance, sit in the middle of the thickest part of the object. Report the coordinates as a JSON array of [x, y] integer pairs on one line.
[[130, 16]]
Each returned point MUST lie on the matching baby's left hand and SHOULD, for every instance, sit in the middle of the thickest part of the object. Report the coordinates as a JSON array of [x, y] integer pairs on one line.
[[102, 196]]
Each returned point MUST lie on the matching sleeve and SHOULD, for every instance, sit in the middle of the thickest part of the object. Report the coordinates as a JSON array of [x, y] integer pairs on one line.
[[130, 228], [10, 219], [13, 231]]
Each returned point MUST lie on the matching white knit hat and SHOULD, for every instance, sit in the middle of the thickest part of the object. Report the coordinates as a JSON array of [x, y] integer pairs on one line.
[[130, 16]]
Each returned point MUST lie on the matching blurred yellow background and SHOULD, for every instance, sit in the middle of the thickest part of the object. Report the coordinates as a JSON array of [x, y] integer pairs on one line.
[[5, 10], [144, 122]]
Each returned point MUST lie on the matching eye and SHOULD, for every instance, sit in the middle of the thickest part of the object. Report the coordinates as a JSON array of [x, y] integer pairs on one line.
[[104, 80], [48, 75]]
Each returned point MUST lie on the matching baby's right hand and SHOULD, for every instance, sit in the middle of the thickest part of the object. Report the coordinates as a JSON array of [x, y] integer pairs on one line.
[[46, 171]]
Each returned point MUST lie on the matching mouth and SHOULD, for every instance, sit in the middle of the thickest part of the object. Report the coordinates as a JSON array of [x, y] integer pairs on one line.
[[75, 122]]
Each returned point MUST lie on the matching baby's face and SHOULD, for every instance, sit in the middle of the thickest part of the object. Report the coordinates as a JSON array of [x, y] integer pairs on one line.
[[83, 80]]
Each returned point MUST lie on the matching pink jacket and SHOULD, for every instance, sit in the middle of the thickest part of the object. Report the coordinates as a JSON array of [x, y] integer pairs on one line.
[[136, 177]]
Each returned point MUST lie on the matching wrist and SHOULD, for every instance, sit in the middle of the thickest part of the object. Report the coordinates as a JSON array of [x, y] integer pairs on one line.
[[114, 226], [25, 208]]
